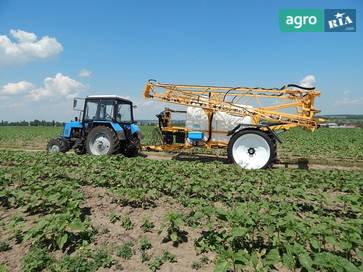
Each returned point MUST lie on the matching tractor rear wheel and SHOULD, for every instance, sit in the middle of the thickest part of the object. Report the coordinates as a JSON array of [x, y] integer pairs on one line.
[[101, 140], [132, 147], [251, 149], [80, 150], [57, 145], [131, 152]]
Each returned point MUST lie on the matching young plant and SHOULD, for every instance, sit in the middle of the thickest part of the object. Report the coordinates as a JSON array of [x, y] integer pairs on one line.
[[137, 197], [16, 226], [60, 230], [156, 264], [84, 261], [168, 257], [36, 260], [102, 258], [160, 260], [125, 251], [126, 223], [172, 224], [196, 265], [4, 246], [145, 244], [147, 225], [145, 257], [114, 217], [204, 260]]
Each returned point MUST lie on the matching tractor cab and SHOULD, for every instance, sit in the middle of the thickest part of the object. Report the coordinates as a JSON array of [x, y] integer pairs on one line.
[[105, 126], [106, 109]]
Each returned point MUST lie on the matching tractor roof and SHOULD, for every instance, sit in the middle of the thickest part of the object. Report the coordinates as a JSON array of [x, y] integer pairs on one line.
[[109, 96]]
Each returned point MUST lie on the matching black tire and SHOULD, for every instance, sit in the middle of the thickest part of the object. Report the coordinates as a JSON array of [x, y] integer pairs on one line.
[[271, 143], [274, 158], [106, 132], [133, 148], [131, 152], [57, 145], [80, 150]]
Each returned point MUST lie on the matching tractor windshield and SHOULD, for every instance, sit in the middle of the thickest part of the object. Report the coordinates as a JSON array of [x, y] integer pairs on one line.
[[99, 110], [124, 113]]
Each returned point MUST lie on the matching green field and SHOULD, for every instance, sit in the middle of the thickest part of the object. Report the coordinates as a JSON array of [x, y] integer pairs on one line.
[[89, 213], [336, 144]]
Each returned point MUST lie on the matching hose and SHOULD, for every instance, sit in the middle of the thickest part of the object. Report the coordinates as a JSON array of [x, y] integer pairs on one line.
[[210, 127], [298, 86]]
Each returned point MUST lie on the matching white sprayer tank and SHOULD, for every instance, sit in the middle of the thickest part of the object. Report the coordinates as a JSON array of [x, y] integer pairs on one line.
[[197, 120]]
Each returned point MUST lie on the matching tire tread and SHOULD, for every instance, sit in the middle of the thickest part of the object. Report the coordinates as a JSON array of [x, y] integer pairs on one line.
[[113, 139]]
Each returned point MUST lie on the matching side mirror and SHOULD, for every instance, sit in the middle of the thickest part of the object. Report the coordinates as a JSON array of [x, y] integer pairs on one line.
[[74, 103], [134, 106]]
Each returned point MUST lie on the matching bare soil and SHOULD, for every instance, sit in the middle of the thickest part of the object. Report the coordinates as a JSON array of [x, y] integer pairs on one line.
[[99, 203], [12, 258]]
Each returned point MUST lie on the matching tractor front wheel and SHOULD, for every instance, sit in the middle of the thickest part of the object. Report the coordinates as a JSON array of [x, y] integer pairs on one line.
[[101, 140], [57, 145]]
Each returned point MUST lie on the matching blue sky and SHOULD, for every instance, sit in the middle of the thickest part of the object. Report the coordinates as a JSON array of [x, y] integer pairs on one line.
[[121, 44]]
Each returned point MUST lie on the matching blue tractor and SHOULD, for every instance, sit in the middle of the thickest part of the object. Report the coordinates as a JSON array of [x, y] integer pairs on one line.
[[106, 126]]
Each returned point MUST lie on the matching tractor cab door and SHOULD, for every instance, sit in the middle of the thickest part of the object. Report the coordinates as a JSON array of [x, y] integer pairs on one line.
[[124, 112], [99, 110]]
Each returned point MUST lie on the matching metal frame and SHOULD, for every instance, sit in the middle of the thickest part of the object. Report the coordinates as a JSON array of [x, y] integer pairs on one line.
[[211, 99]]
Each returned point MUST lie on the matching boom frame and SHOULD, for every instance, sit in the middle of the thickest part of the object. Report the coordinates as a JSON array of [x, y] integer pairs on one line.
[[222, 98]]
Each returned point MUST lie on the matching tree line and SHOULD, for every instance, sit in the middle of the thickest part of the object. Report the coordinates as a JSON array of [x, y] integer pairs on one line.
[[34, 123]]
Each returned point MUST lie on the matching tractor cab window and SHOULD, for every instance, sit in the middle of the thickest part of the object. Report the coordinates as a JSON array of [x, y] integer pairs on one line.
[[100, 110], [123, 113]]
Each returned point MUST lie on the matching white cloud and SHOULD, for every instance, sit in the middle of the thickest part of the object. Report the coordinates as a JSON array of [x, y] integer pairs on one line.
[[347, 101], [85, 73], [60, 86], [16, 88], [308, 81], [26, 46]]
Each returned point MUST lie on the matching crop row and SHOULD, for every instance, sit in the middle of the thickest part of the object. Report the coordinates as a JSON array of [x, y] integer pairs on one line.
[[254, 220], [340, 144]]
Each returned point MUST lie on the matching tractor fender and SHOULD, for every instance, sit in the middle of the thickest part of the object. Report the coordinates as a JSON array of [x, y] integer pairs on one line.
[[69, 126], [135, 129], [115, 126], [262, 128]]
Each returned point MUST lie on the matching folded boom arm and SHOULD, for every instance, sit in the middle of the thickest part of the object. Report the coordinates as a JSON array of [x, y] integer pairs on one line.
[[299, 100]]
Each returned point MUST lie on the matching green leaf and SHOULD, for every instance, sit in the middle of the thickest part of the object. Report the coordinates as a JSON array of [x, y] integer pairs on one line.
[[76, 226], [288, 260], [315, 243], [238, 231], [272, 257], [221, 266], [360, 254], [62, 240], [174, 236], [306, 261]]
